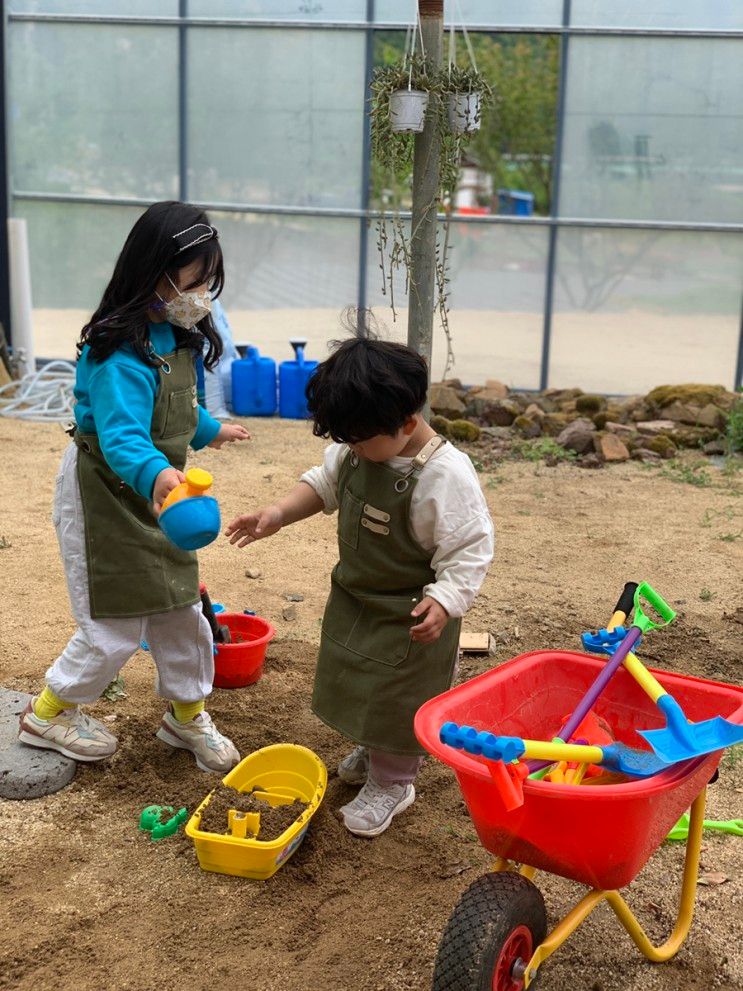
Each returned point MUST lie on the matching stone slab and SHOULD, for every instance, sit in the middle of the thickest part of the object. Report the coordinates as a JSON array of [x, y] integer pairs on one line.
[[27, 772]]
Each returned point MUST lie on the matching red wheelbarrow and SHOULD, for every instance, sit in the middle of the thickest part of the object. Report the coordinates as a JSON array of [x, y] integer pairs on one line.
[[601, 836]]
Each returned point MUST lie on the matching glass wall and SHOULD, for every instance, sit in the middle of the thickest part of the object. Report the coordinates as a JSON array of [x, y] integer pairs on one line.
[[626, 127]]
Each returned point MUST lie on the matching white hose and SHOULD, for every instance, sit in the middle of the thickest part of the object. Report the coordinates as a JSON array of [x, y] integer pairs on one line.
[[44, 396]]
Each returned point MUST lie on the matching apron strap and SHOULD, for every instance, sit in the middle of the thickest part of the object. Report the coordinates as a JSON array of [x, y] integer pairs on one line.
[[422, 458]]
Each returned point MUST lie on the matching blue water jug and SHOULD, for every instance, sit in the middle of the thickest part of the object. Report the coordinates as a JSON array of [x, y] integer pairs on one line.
[[293, 379], [253, 384]]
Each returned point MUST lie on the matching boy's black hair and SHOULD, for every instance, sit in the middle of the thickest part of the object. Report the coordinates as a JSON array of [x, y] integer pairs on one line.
[[366, 387], [167, 237]]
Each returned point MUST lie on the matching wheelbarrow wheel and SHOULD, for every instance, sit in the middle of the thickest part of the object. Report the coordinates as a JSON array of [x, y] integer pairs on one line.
[[499, 920]]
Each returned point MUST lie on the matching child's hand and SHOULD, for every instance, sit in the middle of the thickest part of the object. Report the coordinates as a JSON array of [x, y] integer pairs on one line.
[[165, 482], [228, 433], [254, 526], [432, 626]]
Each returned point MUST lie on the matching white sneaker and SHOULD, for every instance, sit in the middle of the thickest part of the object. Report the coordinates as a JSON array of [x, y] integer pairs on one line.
[[213, 752], [373, 809], [71, 733], [354, 768]]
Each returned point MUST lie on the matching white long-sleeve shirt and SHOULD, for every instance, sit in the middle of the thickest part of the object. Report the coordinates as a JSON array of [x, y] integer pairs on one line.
[[448, 516]]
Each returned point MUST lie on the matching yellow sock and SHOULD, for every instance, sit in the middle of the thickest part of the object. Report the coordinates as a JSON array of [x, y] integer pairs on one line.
[[48, 705], [184, 712]]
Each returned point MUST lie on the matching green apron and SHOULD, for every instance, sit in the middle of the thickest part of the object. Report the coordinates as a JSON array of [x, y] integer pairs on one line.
[[133, 569], [371, 677]]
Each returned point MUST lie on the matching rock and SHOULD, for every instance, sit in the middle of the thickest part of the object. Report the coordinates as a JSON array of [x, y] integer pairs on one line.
[[441, 425], [27, 772], [253, 573], [715, 447], [711, 416], [612, 448], [686, 436], [577, 436], [562, 395], [464, 430], [494, 412], [445, 401], [496, 389], [554, 423], [534, 411], [455, 384], [654, 427], [289, 613], [590, 404], [645, 454], [293, 597], [599, 420], [497, 433], [620, 429], [527, 427], [522, 400], [591, 460], [681, 413], [689, 394], [663, 445]]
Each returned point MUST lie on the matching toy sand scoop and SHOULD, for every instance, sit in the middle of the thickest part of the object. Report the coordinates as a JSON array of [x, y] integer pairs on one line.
[[679, 739]]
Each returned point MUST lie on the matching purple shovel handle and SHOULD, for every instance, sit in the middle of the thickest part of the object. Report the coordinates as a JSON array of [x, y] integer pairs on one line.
[[589, 699]]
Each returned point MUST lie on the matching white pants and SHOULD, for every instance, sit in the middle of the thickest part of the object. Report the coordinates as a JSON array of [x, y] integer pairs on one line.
[[180, 641]]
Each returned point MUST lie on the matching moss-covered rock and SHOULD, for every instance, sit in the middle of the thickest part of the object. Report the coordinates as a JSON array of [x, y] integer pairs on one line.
[[527, 426], [685, 436], [442, 426], [690, 394], [589, 404], [663, 445], [554, 423], [464, 430]]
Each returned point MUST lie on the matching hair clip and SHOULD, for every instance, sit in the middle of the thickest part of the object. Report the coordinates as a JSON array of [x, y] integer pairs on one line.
[[208, 232]]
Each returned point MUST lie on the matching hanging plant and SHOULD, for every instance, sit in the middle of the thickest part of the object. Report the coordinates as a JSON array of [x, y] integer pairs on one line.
[[403, 96], [466, 93]]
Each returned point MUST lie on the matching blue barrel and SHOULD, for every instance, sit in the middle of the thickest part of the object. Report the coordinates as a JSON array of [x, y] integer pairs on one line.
[[293, 379], [253, 384]]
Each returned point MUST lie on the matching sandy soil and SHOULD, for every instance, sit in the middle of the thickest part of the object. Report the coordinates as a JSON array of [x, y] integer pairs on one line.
[[88, 900]]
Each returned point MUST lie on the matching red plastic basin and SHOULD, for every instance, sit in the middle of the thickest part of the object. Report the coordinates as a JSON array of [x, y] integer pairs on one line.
[[601, 836], [240, 663]]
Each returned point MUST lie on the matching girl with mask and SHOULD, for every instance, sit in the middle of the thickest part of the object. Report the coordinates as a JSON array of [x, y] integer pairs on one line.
[[136, 416]]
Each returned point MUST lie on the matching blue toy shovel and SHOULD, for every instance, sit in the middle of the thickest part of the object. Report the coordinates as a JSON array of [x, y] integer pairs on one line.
[[616, 757], [679, 739]]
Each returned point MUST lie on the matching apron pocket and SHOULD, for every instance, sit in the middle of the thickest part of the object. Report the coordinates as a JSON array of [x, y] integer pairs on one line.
[[181, 413], [382, 631], [349, 520]]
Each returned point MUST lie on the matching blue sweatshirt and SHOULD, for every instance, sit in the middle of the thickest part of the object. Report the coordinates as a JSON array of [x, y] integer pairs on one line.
[[115, 399]]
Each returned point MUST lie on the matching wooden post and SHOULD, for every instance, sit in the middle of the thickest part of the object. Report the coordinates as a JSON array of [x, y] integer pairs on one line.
[[425, 189]]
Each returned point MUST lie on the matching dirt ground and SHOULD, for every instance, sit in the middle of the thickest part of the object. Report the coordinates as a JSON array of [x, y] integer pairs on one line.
[[88, 900]]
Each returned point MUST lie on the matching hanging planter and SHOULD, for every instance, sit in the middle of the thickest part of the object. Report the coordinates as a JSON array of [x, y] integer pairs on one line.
[[464, 112], [467, 92], [408, 110]]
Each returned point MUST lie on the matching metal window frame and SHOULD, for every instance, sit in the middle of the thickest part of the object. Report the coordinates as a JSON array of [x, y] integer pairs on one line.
[[565, 31]]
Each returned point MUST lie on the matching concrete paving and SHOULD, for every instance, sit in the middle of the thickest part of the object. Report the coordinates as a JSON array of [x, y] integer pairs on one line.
[[27, 772]]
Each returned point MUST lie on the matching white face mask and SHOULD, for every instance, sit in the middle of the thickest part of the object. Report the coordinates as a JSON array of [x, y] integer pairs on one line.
[[187, 308]]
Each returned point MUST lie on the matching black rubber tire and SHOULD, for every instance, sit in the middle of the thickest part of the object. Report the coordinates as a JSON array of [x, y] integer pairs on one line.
[[481, 922]]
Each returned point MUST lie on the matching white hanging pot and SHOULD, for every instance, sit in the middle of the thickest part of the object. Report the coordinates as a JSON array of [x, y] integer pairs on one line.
[[408, 110], [464, 112]]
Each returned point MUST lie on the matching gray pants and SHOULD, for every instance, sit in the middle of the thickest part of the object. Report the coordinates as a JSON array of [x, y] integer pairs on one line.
[[393, 769], [180, 641]]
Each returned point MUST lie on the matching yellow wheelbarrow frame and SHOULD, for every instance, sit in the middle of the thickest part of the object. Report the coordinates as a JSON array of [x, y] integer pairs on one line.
[[580, 912]]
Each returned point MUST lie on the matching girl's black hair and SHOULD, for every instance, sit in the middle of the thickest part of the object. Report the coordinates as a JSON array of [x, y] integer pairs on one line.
[[366, 387], [154, 249]]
